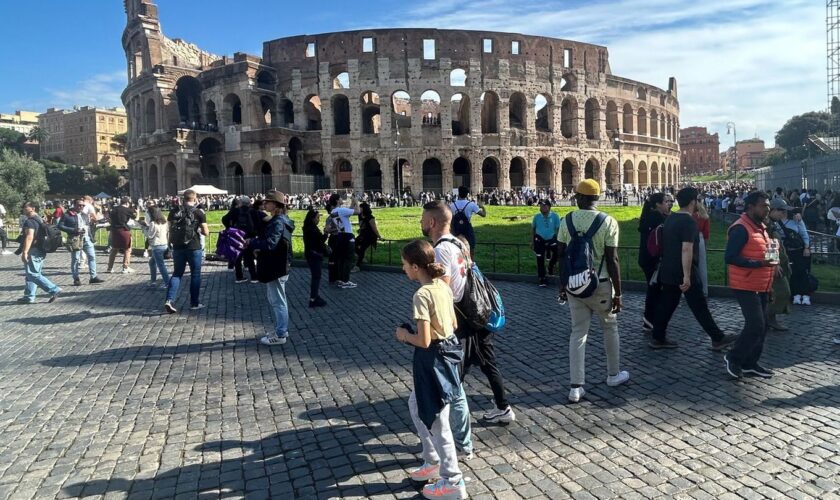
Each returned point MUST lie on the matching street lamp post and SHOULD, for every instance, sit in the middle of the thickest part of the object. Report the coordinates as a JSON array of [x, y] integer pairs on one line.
[[620, 166], [399, 170], [730, 127]]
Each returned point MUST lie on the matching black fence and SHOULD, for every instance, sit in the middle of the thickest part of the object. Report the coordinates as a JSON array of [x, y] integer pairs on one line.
[[819, 173]]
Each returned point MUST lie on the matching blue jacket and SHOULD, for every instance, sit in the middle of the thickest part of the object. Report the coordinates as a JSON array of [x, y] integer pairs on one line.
[[69, 223], [279, 227], [436, 379]]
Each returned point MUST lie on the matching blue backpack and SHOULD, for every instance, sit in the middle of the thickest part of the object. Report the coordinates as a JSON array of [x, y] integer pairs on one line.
[[578, 274]]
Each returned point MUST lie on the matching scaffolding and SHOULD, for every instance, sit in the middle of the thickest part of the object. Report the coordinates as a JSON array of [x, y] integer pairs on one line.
[[832, 22]]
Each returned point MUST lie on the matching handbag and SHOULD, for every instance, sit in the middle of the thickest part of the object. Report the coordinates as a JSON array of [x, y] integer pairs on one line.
[[74, 243]]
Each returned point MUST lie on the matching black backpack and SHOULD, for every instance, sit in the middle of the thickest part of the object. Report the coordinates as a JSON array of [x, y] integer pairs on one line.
[[792, 241], [460, 223], [244, 222], [578, 274], [48, 237], [183, 228]]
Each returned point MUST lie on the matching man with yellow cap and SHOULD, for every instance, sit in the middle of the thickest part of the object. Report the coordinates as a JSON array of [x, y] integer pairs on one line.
[[590, 235]]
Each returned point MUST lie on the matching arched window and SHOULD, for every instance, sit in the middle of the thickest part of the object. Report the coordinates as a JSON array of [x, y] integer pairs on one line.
[[461, 172], [543, 120], [150, 116], [232, 110], [592, 169], [269, 114], [592, 119], [266, 81], [188, 95], [516, 110], [432, 176], [341, 114], [296, 154], [312, 111], [517, 173], [654, 123], [642, 121], [210, 115], [460, 111], [341, 81], [372, 175], [568, 83], [401, 109], [344, 174], [490, 173], [612, 117], [430, 108], [568, 117], [489, 113], [544, 174], [458, 78], [628, 119], [370, 113]]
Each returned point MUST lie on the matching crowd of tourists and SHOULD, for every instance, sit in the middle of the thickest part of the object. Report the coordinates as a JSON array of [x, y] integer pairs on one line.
[[767, 256]]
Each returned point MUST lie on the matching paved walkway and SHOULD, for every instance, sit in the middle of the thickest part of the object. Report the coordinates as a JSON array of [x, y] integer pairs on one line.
[[103, 395]]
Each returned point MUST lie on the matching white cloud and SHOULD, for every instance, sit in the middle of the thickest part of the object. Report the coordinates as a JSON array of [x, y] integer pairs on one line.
[[745, 61], [101, 90]]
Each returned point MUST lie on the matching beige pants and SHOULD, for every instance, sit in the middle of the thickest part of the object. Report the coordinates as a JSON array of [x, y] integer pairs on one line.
[[581, 310]]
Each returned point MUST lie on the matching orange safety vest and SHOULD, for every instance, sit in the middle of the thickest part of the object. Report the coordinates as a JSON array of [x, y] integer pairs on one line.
[[753, 279]]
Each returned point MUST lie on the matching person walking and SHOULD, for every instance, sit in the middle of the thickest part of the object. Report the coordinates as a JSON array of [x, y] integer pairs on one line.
[[274, 256], [121, 234], [76, 225], [544, 228], [186, 224], [368, 234], [654, 211], [678, 275], [342, 241], [752, 257], [605, 301], [4, 237], [462, 213], [435, 372], [314, 249], [156, 230], [797, 243], [32, 256]]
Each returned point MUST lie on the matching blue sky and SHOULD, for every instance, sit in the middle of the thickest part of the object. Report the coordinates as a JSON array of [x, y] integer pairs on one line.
[[754, 62]]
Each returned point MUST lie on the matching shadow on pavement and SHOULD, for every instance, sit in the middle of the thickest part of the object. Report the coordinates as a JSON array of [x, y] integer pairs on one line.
[[827, 396], [147, 352], [67, 318]]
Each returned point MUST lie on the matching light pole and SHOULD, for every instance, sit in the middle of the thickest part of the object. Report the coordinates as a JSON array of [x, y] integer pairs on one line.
[[399, 169], [618, 141], [730, 127]]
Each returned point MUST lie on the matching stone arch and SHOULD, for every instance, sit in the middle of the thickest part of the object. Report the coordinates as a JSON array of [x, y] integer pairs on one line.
[[341, 114], [592, 118], [568, 117], [232, 110], [432, 176], [458, 78], [170, 179], [612, 176], [490, 172], [266, 80], [371, 120], [150, 116], [430, 108], [401, 109], [612, 117], [287, 110], [399, 174], [210, 152], [543, 113], [544, 171], [372, 175], [641, 120], [654, 123], [296, 154], [460, 111], [237, 174], [461, 172], [188, 95], [314, 168], [628, 119], [152, 181], [592, 169], [210, 116], [269, 116], [655, 179], [312, 112], [264, 169], [516, 110], [629, 178], [567, 174], [517, 172], [568, 83], [489, 113], [644, 180], [343, 174], [341, 81]]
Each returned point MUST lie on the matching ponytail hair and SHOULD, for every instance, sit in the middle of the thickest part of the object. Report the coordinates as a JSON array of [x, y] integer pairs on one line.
[[648, 208], [421, 254]]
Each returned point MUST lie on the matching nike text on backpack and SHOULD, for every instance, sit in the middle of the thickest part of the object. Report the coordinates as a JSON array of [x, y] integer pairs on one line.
[[654, 242], [48, 238], [481, 303], [578, 274], [184, 227]]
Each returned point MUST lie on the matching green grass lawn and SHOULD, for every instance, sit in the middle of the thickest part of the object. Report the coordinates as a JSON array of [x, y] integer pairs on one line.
[[509, 229]]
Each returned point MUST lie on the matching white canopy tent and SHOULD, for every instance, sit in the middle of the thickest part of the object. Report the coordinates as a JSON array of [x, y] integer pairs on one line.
[[205, 190]]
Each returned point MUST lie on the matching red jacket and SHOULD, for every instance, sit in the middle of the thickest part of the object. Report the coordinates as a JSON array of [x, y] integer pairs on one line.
[[753, 279]]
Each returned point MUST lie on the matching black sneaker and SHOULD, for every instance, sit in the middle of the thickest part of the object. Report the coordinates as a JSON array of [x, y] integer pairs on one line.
[[758, 371], [662, 344], [732, 369], [96, 281], [543, 282], [77, 282], [319, 302], [54, 296], [723, 343]]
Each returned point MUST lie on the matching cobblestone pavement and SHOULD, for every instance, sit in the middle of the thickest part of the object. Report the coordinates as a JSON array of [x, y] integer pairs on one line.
[[103, 395]]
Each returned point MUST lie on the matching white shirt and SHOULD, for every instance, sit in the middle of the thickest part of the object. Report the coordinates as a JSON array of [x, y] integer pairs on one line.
[[454, 265], [2, 214], [468, 207], [344, 216]]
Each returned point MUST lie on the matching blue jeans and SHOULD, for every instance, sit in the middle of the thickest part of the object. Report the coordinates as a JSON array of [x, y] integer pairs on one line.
[[459, 421], [157, 263], [276, 293], [34, 278], [180, 259], [76, 256]]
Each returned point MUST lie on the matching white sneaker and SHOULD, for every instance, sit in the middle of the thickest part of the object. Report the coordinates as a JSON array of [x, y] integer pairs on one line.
[[348, 284], [127, 270], [836, 340], [806, 300], [6, 252], [575, 394], [197, 307], [463, 456], [504, 416], [797, 299], [618, 379], [145, 255], [273, 339]]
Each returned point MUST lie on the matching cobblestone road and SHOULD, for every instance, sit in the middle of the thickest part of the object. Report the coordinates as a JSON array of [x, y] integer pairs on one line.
[[103, 395]]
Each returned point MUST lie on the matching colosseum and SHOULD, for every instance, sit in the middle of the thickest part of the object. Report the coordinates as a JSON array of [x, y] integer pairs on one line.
[[390, 110]]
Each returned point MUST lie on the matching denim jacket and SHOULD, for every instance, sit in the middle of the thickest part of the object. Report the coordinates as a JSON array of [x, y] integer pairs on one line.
[[436, 379], [279, 227]]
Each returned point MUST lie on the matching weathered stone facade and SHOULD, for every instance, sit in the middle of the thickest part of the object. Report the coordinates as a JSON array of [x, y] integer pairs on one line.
[[483, 109]]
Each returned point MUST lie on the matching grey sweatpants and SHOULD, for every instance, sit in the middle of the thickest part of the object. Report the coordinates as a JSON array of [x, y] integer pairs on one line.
[[438, 445]]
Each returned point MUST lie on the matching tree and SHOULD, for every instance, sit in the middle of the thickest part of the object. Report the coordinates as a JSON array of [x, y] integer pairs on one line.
[[11, 139], [21, 179], [794, 133], [38, 134]]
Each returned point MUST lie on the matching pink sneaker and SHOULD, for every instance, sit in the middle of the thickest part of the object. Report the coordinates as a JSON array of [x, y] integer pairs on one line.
[[427, 472], [443, 490]]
